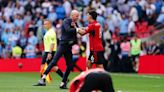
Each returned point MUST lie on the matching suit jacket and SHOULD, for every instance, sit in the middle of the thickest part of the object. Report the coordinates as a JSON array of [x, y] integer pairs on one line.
[[115, 50], [69, 33]]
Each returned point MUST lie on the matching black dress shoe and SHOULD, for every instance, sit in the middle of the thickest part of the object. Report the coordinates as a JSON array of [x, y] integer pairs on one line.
[[63, 85]]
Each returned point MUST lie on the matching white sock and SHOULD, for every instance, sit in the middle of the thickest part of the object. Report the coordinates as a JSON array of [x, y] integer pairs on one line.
[[44, 76]]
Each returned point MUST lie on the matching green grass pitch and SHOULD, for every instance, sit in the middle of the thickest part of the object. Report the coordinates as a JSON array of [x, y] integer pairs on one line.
[[22, 82]]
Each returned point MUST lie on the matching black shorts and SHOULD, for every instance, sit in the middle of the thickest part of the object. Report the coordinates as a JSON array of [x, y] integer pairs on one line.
[[134, 57], [44, 57], [96, 57], [97, 81]]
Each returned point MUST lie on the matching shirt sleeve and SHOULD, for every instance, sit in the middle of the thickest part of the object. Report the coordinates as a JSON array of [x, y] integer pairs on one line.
[[67, 26], [89, 28]]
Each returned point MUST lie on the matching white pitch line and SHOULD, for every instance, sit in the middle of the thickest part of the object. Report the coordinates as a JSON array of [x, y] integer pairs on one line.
[[150, 76], [135, 75]]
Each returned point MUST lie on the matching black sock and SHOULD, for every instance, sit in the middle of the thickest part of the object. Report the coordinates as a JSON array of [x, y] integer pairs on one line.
[[60, 73], [66, 74], [44, 80]]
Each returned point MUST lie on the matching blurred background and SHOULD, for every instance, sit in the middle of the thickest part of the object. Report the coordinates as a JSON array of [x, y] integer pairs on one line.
[[21, 28]]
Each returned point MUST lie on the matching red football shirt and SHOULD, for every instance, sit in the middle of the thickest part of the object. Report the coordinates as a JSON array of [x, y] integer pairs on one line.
[[94, 30]]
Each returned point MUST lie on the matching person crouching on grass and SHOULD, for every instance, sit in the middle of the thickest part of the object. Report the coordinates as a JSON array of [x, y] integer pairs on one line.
[[92, 80]]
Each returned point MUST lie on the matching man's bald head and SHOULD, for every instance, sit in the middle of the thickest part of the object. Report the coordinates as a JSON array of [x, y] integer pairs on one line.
[[47, 24], [74, 15]]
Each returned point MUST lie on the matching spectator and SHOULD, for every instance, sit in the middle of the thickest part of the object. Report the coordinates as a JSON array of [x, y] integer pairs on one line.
[[13, 37], [86, 2], [16, 51], [9, 25], [160, 18], [58, 28], [52, 15], [153, 48], [23, 40], [8, 11], [158, 5], [116, 17], [139, 7], [135, 51], [32, 39], [2, 23], [106, 43], [100, 8], [114, 56], [7, 51], [75, 52], [27, 17], [131, 26], [19, 9], [39, 20], [5, 36], [18, 21], [109, 10], [150, 12], [30, 51], [67, 7], [161, 48], [101, 20], [46, 4], [125, 48], [60, 11], [123, 7], [134, 14], [110, 24], [1, 49], [123, 26], [125, 55], [28, 7]]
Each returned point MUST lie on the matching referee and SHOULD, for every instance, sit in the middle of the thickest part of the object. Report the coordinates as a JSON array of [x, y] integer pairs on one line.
[[68, 38], [50, 46]]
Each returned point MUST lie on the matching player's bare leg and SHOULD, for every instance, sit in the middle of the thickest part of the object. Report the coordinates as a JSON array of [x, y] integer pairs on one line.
[[89, 64]]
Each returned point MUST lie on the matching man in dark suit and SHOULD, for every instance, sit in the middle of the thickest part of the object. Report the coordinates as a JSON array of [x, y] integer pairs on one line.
[[114, 56], [68, 38]]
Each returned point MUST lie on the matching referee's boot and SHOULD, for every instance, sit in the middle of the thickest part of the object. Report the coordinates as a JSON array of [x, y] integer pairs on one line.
[[63, 85], [41, 82]]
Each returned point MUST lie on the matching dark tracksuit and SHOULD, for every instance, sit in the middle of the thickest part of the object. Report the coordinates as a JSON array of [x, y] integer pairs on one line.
[[68, 38]]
